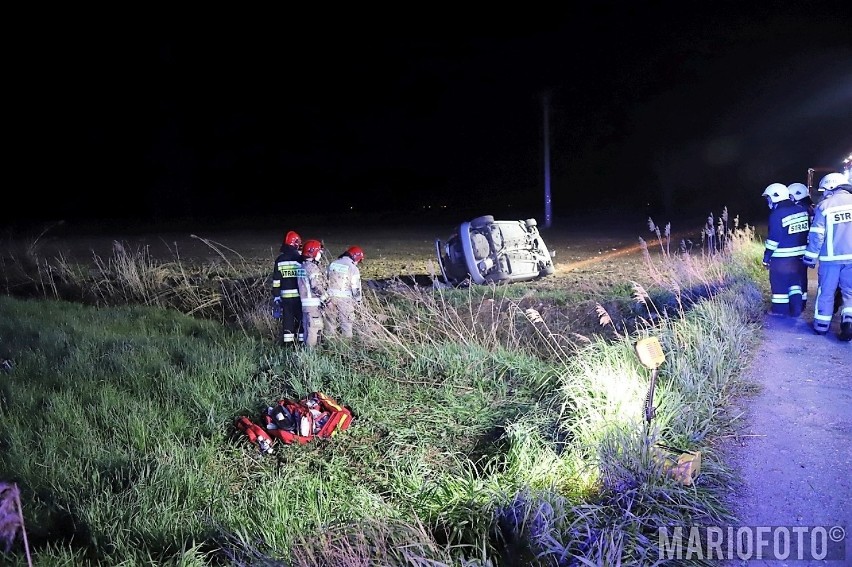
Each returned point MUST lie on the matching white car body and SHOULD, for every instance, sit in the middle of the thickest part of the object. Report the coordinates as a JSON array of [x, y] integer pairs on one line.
[[487, 251]]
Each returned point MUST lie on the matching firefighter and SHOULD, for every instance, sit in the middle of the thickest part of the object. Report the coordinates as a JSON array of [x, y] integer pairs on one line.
[[838, 297], [784, 247], [312, 291], [344, 292], [285, 289], [830, 241], [801, 196]]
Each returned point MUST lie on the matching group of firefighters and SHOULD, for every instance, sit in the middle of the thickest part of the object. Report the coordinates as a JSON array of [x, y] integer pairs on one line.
[[309, 300], [802, 233]]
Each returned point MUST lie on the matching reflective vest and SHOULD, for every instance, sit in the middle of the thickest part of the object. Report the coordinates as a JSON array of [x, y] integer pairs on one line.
[[830, 237]]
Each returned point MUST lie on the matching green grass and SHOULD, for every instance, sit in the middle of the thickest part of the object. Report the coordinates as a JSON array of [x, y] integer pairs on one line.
[[489, 427]]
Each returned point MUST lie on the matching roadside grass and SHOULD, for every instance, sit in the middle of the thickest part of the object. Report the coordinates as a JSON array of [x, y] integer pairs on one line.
[[493, 426]]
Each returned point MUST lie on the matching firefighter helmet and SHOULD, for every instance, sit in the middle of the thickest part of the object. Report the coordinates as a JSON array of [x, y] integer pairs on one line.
[[831, 181], [312, 249], [293, 239], [776, 193], [355, 253], [798, 191]]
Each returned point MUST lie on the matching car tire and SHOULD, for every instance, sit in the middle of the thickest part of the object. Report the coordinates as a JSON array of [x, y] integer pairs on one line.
[[479, 222], [530, 223], [548, 270]]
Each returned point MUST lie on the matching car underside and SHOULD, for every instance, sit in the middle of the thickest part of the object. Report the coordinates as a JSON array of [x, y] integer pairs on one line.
[[485, 251]]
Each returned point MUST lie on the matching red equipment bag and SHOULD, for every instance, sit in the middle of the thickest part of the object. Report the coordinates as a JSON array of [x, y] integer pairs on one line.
[[301, 421]]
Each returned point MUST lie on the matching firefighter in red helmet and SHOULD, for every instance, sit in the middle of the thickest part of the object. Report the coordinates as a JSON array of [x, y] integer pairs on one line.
[[293, 239], [285, 289], [344, 292], [312, 290]]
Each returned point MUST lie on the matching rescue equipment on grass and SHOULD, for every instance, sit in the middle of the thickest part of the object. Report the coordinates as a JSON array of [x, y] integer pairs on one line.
[[300, 421], [683, 466], [255, 433]]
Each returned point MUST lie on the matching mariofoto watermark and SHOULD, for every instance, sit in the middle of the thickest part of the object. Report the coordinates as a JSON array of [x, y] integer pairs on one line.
[[826, 543]]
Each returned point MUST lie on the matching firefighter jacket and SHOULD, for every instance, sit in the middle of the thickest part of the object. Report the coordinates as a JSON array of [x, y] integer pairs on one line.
[[344, 279], [312, 287], [788, 232], [288, 268], [830, 237]]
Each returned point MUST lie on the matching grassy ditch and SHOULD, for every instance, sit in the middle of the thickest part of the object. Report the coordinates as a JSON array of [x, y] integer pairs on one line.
[[491, 426]]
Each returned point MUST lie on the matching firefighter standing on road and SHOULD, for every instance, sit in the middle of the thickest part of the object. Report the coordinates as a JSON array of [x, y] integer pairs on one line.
[[312, 290], [801, 196], [344, 292], [285, 289], [785, 246], [830, 241]]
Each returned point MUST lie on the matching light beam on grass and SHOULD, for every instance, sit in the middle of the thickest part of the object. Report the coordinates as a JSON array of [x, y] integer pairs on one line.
[[634, 249]]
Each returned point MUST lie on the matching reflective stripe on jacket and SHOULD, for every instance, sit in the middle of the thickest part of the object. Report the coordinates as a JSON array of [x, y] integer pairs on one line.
[[288, 269], [788, 232], [830, 237], [344, 278], [312, 285]]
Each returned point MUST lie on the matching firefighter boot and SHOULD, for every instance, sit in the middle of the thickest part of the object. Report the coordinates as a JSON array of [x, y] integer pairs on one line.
[[845, 331]]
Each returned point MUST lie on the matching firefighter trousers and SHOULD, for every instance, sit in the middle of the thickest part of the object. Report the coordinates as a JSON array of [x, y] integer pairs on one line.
[[312, 325], [832, 276], [339, 314], [786, 277], [291, 320]]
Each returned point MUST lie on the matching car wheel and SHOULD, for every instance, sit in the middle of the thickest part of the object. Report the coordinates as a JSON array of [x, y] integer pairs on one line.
[[479, 222], [530, 223], [548, 270]]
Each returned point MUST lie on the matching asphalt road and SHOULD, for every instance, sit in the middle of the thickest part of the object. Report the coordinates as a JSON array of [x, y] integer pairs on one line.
[[795, 452]]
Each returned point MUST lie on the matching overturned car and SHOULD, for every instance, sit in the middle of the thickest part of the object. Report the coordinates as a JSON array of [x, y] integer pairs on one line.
[[487, 251]]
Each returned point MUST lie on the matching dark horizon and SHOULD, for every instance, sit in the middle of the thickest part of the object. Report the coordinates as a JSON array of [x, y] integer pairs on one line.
[[695, 109]]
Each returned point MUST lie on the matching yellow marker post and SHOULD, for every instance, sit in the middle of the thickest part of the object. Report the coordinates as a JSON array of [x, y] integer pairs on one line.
[[683, 466]]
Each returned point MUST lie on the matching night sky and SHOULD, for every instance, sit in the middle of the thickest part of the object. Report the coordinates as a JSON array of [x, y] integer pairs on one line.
[[659, 109]]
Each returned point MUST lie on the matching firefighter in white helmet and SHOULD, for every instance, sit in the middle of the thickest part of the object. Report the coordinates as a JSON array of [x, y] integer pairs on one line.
[[344, 292], [800, 195], [830, 242], [784, 248], [312, 290]]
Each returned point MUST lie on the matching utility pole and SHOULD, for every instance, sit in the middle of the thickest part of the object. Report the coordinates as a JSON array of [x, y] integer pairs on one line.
[[548, 214]]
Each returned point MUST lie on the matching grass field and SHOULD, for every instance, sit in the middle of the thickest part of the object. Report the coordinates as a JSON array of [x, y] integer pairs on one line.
[[493, 426]]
